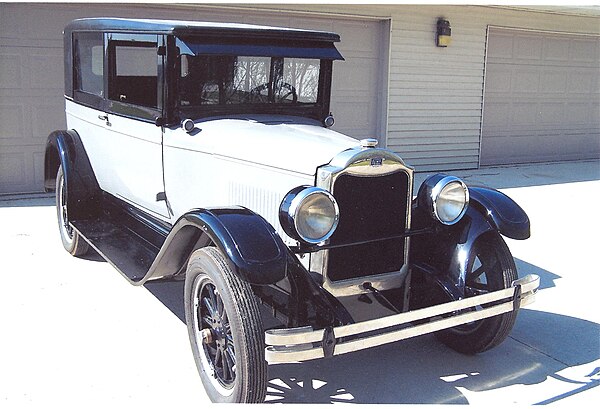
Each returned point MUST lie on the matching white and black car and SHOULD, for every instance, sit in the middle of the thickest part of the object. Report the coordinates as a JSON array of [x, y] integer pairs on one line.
[[202, 151]]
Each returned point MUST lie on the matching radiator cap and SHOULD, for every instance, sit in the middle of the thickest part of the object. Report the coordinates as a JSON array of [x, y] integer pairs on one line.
[[369, 143]]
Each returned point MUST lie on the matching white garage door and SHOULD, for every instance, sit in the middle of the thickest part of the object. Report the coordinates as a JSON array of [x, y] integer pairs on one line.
[[31, 75], [542, 97]]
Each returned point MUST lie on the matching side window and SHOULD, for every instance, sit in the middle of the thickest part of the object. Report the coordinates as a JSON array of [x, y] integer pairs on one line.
[[133, 70], [88, 63]]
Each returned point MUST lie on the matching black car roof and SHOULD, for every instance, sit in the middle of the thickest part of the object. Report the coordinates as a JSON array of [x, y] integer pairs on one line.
[[177, 27]]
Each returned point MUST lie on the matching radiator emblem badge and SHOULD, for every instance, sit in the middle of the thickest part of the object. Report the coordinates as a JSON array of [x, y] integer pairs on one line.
[[376, 162]]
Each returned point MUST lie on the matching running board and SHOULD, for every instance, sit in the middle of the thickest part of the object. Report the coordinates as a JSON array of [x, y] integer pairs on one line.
[[129, 253], [124, 236]]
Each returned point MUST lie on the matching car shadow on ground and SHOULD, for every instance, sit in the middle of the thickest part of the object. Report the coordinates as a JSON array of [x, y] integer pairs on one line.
[[422, 370]]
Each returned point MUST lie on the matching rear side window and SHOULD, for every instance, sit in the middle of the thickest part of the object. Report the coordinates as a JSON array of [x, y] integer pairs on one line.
[[88, 63], [133, 65]]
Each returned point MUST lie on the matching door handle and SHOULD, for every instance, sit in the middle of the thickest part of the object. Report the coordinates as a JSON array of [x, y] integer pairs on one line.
[[104, 118]]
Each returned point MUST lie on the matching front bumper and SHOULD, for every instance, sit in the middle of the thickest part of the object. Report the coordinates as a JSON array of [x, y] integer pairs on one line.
[[304, 343]]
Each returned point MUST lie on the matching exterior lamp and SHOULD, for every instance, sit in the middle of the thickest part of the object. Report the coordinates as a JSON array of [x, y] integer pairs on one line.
[[443, 33]]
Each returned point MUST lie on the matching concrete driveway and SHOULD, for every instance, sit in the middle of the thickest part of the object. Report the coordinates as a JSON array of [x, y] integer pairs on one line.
[[75, 334]]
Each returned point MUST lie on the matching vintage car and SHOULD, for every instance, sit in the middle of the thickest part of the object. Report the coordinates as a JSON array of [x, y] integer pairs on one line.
[[203, 152]]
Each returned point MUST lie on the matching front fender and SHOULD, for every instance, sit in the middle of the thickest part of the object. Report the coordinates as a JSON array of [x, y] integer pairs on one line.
[[442, 255], [254, 250], [501, 211]]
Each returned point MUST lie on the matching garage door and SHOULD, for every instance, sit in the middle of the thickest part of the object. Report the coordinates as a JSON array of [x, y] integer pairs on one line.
[[542, 97], [31, 76]]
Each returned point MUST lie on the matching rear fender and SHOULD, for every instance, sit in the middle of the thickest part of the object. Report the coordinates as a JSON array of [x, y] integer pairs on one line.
[[65, 148]]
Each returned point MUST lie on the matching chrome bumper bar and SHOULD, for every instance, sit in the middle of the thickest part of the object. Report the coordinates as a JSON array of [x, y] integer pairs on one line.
[[304, 343]]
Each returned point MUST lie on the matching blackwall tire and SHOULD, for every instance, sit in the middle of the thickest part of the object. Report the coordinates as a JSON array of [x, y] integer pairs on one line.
[[218, 304], [493, 268], [71, 240]]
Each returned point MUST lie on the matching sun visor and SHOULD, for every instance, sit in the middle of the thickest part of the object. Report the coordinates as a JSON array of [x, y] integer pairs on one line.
[[318, 50]]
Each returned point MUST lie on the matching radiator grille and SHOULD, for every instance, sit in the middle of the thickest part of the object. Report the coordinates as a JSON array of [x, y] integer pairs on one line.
[[370, 208]]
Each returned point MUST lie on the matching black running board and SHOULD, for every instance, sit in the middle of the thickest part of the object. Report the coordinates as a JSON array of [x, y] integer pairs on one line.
[[131, 255], [123, 236]]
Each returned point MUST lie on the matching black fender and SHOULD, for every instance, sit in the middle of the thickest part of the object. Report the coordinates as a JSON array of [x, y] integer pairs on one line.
[[254, 250], [257, 254], [65, 148], [501, 211], [443, 254]]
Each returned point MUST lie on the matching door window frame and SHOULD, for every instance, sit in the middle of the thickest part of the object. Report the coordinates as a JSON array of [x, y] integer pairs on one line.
[[121, 108]]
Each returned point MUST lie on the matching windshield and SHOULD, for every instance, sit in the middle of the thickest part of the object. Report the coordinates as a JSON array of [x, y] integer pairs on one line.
[[224, 80]]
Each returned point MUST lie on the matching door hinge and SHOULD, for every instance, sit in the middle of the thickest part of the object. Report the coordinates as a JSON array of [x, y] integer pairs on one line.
[[161, 50]]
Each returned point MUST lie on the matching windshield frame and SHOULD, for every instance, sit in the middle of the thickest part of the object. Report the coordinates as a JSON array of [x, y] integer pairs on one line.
[[317, 110]]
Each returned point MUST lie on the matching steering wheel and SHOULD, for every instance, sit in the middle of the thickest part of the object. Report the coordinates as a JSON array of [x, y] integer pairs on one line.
[[256, 94]]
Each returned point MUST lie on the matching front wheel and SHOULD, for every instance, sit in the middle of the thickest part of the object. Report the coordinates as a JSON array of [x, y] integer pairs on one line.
[[491, 268], [225, 330]]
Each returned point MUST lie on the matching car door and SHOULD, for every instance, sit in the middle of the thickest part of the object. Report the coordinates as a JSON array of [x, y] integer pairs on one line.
[[127, 156], [134, 102]]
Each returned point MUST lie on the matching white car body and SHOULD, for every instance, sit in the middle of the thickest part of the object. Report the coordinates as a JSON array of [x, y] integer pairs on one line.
[[251, 162]]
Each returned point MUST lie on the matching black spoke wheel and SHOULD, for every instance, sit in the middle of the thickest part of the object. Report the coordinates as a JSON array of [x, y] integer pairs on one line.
[[225, 330], [491, 267], [71, 240]]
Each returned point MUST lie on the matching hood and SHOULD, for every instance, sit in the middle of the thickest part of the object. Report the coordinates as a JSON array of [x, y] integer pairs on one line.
[[294, 145]]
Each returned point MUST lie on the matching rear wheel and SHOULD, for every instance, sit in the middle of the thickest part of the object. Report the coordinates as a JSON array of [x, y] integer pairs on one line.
[[225, 330], [491, 268], [71, 240]]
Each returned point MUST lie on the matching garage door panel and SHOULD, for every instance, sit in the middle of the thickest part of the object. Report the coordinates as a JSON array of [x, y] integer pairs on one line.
[[500, 46], [541, 98], [360, 76], [13, 171], [581, 82], [576, 113], [31, 68], [44, 74], [556, 49], [552, 113], [553, 81], [359, 38], [11, 65], [523, 114], [525, 81], [11, 121], [359, 124], [584, 50], [527, 47], [45, 118], [38, 168], [29, 120]]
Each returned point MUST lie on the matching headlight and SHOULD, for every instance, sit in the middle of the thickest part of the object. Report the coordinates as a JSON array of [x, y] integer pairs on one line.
[[309, 214], [446, 198]]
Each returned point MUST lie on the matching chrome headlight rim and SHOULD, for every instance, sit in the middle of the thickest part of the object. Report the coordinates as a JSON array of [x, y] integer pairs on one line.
[[290, 209], [436, 193], [430, 194]]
